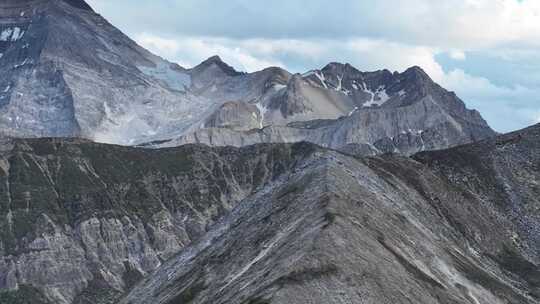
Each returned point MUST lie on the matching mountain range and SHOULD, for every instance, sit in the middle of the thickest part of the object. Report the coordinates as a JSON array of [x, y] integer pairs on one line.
[[128, 179], [67, 72]]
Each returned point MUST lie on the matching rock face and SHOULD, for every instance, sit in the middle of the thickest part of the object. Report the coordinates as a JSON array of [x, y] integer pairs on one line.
[[65, 71], [82, 222], [455, 226]]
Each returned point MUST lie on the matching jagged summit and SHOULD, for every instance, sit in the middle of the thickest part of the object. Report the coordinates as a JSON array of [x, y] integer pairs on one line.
[[213, 60], [416, 73], [216, 61], [347, 68], [417, 70]]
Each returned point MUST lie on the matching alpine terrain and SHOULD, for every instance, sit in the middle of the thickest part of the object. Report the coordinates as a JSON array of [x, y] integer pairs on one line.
[[65, 71], [128, 179]]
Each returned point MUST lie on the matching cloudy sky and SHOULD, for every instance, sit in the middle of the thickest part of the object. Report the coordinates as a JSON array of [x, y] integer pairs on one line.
[[488, 51]]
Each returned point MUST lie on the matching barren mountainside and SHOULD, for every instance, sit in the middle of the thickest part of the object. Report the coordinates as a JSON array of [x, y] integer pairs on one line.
[[128, 179], [83, 222], [66, 71], [455, 226]]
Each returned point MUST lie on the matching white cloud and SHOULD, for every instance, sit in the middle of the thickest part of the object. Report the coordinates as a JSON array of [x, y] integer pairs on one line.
[[458, 24], [458, 55], [488, 23], [480, 86], [505, 108]]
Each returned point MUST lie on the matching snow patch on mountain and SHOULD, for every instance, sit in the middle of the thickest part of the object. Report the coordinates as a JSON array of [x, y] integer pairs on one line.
[[279, 87], [11, 34], [262, 111], [321, 77], [378, 98], [340, 81], [17, 34], [340, 87], [25, 62]]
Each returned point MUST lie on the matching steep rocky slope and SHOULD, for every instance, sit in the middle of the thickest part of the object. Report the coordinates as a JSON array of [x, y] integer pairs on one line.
[[455, 226], [66, 71], [82, 222]]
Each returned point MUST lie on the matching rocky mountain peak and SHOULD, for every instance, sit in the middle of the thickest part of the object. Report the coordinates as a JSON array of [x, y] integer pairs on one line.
[[213, 59], [416, 73], [216, 61], [335, 66], [348, 70]]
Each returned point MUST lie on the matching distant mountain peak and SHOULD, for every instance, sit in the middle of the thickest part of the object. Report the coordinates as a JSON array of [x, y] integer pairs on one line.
[[214, 59], [217, 61], [338, 67], [417, 71]]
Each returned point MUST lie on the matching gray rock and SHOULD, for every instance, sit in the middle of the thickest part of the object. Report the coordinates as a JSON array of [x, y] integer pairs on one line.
[[235, 115], [455, 226]]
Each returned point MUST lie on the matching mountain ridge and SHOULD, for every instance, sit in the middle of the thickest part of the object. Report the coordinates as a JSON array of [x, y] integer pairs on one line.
[[428, 229], [144, 206], [382, 137]]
